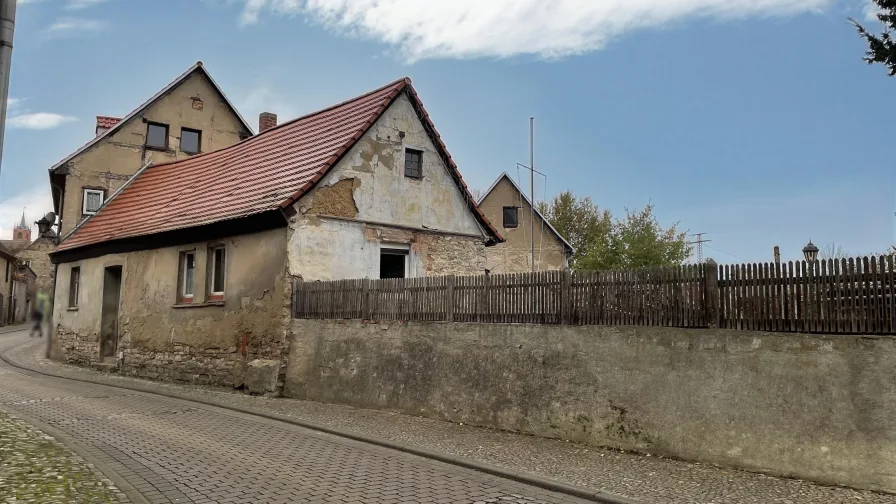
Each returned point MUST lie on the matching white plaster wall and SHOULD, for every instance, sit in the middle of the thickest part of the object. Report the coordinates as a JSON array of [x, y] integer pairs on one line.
[[327, 249]]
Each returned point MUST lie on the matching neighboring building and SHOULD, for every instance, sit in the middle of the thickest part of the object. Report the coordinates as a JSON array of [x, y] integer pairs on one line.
[[187, 270], [189, 116], [14, 289], [509, 209], [33, 254]]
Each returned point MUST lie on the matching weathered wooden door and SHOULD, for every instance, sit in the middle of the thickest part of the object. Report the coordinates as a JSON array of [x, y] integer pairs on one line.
[[109, 319]]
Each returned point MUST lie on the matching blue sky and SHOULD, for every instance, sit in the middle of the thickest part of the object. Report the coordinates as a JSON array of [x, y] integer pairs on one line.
[[754, 121]]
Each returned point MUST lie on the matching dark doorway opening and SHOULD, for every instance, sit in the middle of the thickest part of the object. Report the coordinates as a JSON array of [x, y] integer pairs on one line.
[[109, 322]]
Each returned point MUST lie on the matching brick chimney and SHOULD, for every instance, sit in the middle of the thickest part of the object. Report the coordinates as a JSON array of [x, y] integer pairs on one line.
[[266, 121]]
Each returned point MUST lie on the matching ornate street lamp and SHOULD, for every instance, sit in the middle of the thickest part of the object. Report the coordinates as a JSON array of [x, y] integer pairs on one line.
[[45, 226], [810, 252]]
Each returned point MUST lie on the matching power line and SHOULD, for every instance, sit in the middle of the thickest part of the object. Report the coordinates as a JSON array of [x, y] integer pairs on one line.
[[726, 253]]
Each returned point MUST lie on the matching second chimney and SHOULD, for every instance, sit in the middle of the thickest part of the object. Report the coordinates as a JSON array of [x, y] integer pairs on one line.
[[266, 121]]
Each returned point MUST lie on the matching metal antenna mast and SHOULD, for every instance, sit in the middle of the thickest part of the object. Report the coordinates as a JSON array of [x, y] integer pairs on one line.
[[532, 187]]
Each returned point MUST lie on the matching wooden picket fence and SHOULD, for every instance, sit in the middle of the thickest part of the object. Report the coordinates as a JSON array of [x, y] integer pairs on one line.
[[848, 296], [649, 296]]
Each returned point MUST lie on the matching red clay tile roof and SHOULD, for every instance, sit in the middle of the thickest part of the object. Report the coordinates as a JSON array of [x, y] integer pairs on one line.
[[106, 121], [268, 171]]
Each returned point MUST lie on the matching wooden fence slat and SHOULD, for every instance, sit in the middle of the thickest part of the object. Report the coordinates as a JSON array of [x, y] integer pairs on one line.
[[874, 299], [891, 294]]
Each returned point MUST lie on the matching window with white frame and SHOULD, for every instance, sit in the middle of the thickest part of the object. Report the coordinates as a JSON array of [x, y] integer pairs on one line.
[[217, 267], [93, 200], [74, 286], [394, 260], [186, 274]]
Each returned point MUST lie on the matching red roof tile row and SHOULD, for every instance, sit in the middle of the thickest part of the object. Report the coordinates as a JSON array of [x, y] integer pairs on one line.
[[265, 172], [106, 121]]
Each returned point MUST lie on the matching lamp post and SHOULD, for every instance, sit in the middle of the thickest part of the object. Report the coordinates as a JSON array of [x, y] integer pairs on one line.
[[810, 252], [45, 230]]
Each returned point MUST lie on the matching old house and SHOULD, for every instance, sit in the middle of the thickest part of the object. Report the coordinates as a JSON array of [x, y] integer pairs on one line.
[[33, 254], [14, 288], [185, 273], [189, 116], [510, 209]]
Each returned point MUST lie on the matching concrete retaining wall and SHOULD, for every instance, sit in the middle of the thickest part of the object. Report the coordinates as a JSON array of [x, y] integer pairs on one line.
[[810, 406]]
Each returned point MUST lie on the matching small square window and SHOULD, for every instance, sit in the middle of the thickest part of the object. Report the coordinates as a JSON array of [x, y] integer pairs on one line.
[[511, 217], [186, 272], [217, 267], [93, 200], [190, 140], [413, 163], [393, 262], [157, 136], [74, 284]]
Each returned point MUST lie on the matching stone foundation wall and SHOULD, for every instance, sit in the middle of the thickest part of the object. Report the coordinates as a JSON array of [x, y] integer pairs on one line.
[[73, 348], [809, 406]]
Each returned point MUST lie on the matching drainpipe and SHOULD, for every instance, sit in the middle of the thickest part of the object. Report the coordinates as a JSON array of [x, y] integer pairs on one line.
[[7, 28]]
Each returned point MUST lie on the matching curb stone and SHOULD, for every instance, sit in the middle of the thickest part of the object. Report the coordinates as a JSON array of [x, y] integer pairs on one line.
[[520, 477]]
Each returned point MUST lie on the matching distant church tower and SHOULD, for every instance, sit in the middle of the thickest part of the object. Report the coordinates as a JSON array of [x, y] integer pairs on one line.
[[22, 231]]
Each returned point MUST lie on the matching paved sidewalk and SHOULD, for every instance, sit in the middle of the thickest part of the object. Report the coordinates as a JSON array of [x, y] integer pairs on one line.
[[36, 468], [650, 479]]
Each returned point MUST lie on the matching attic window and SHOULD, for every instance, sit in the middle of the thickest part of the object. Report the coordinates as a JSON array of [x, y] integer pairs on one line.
[[190, 140], [93, 200], [157, 136], [511, 217], [413, 163]]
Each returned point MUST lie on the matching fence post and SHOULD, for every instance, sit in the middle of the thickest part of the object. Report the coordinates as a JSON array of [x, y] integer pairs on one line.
[[711, 293], [365, 299], [295, 297], [564, 297], [449, 304]]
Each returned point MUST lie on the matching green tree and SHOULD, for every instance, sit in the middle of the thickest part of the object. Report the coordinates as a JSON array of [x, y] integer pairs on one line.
[[586, 227], [602, 242], [882, 47]]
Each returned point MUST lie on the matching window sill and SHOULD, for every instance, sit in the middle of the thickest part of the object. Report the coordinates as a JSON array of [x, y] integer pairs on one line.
[[72, 308], [159, 149], [198, 305]]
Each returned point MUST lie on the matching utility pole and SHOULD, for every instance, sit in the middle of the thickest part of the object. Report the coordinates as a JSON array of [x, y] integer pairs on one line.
[[7, 28], [532, 187], [699, 242]]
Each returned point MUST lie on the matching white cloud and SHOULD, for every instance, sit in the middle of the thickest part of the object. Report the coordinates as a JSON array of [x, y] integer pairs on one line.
[[39, 121], [263, 99], [82, 4], [501, 28], [64, 26], [870, 10], [36, 203], [12, 103]]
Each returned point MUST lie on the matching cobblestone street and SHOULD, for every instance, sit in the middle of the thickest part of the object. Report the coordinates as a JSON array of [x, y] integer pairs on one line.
[[175, 451], [34, 467], [182, 430]]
